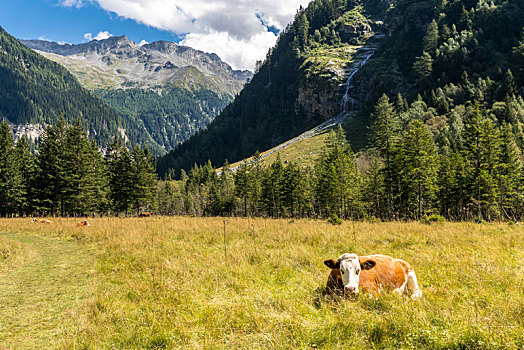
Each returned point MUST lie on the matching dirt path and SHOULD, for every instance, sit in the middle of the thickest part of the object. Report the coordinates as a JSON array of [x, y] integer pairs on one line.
[[42, 287]]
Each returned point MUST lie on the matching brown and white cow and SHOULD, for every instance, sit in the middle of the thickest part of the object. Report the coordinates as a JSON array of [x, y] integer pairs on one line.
[[84, 223], [144, 214], [373, 274], [42, 221]]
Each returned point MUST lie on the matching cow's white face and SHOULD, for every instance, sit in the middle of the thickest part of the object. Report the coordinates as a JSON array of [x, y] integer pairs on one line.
[[350, 272], [350, 268]]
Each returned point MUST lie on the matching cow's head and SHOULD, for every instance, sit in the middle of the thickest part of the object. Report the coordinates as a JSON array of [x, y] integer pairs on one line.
[[350, 267]]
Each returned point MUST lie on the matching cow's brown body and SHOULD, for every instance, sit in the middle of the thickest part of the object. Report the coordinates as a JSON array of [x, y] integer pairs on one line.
[[387, 274], [83, 223], [144, 214]]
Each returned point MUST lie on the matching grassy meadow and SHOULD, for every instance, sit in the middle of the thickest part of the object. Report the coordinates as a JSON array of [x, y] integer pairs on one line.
[[154, 283]]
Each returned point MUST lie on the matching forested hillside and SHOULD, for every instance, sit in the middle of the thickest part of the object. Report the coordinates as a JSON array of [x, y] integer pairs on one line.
[[167, 119], [440, 56], [35, 90]]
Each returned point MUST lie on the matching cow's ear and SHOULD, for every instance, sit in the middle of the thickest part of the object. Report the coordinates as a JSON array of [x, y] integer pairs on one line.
[[367, 265], [332, 264]]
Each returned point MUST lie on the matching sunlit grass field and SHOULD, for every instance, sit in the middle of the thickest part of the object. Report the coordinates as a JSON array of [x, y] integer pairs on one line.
[[153, 283]]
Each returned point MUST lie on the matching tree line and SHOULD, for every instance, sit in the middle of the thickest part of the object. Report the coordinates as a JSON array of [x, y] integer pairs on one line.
[[471, 170], [70, 176], [407, 175]]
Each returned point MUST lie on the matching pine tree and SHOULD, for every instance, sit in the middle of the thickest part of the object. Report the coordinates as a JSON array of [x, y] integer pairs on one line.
[[509, 86], [292, 190], [373, 189], [26, 167], [431, 37], [50, 173], [271, 189], [227, 189], [121, 177], [144, 180], [482, 152], [11, 188], [508, 170], [423, 68], [336, 175], [385, 128], [75, 156], [418, 161], [241, 186], [99, 182], [452, 186]]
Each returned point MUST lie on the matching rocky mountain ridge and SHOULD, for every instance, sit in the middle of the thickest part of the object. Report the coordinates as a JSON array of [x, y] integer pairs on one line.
[[119, 63]]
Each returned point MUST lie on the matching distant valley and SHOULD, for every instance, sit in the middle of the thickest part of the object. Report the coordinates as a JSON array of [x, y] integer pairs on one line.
[[164, 91]]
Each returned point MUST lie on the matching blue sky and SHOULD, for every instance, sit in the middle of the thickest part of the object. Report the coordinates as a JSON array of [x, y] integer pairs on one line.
[[239, 31], [34, 19]]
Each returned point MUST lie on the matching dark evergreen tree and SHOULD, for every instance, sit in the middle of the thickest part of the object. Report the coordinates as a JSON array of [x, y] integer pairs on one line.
[[144, 180], [26, 167], [121, 177], [482, 152], [50, 179], [11, 183], [385, 132], [508, 171], [418, 166], [337, 177], [431, 38]]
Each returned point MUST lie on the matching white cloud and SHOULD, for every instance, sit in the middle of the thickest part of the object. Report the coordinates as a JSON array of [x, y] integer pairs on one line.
[[234, 29], [142, 43], [100, 36], [103, 35], [239, 53], [71, 3]]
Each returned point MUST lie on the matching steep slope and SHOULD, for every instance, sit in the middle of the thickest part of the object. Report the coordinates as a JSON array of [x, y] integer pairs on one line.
[[299, 85], [37, 91], [165, 91], [439, 55]]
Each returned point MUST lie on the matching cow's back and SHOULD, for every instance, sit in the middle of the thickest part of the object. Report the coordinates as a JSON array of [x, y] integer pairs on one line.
[[388, 273]]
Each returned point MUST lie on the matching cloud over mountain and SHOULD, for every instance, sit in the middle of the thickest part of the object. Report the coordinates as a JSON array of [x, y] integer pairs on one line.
[[239, 31], [100, 36]]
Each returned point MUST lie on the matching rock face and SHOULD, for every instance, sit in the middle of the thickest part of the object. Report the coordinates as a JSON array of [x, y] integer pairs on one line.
[[119, 63], [318, 104], [350, 31], [322, 101], [32, 132]]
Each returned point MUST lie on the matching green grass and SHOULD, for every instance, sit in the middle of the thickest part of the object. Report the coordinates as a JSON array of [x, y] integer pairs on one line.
[[327, 64], [168, 283], [43, 285], [304, 152], [7, 249]]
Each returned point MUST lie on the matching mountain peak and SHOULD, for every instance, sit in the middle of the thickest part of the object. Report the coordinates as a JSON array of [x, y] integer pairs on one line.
[[119, 39]]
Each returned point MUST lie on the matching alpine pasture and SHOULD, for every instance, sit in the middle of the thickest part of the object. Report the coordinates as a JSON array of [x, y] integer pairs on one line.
[[236, 283]]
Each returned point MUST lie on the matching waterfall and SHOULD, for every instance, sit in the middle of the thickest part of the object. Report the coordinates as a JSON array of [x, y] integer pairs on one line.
[[345, 98]]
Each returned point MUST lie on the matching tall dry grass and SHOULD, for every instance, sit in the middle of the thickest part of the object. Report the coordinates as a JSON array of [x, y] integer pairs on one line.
[[166, 283]]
